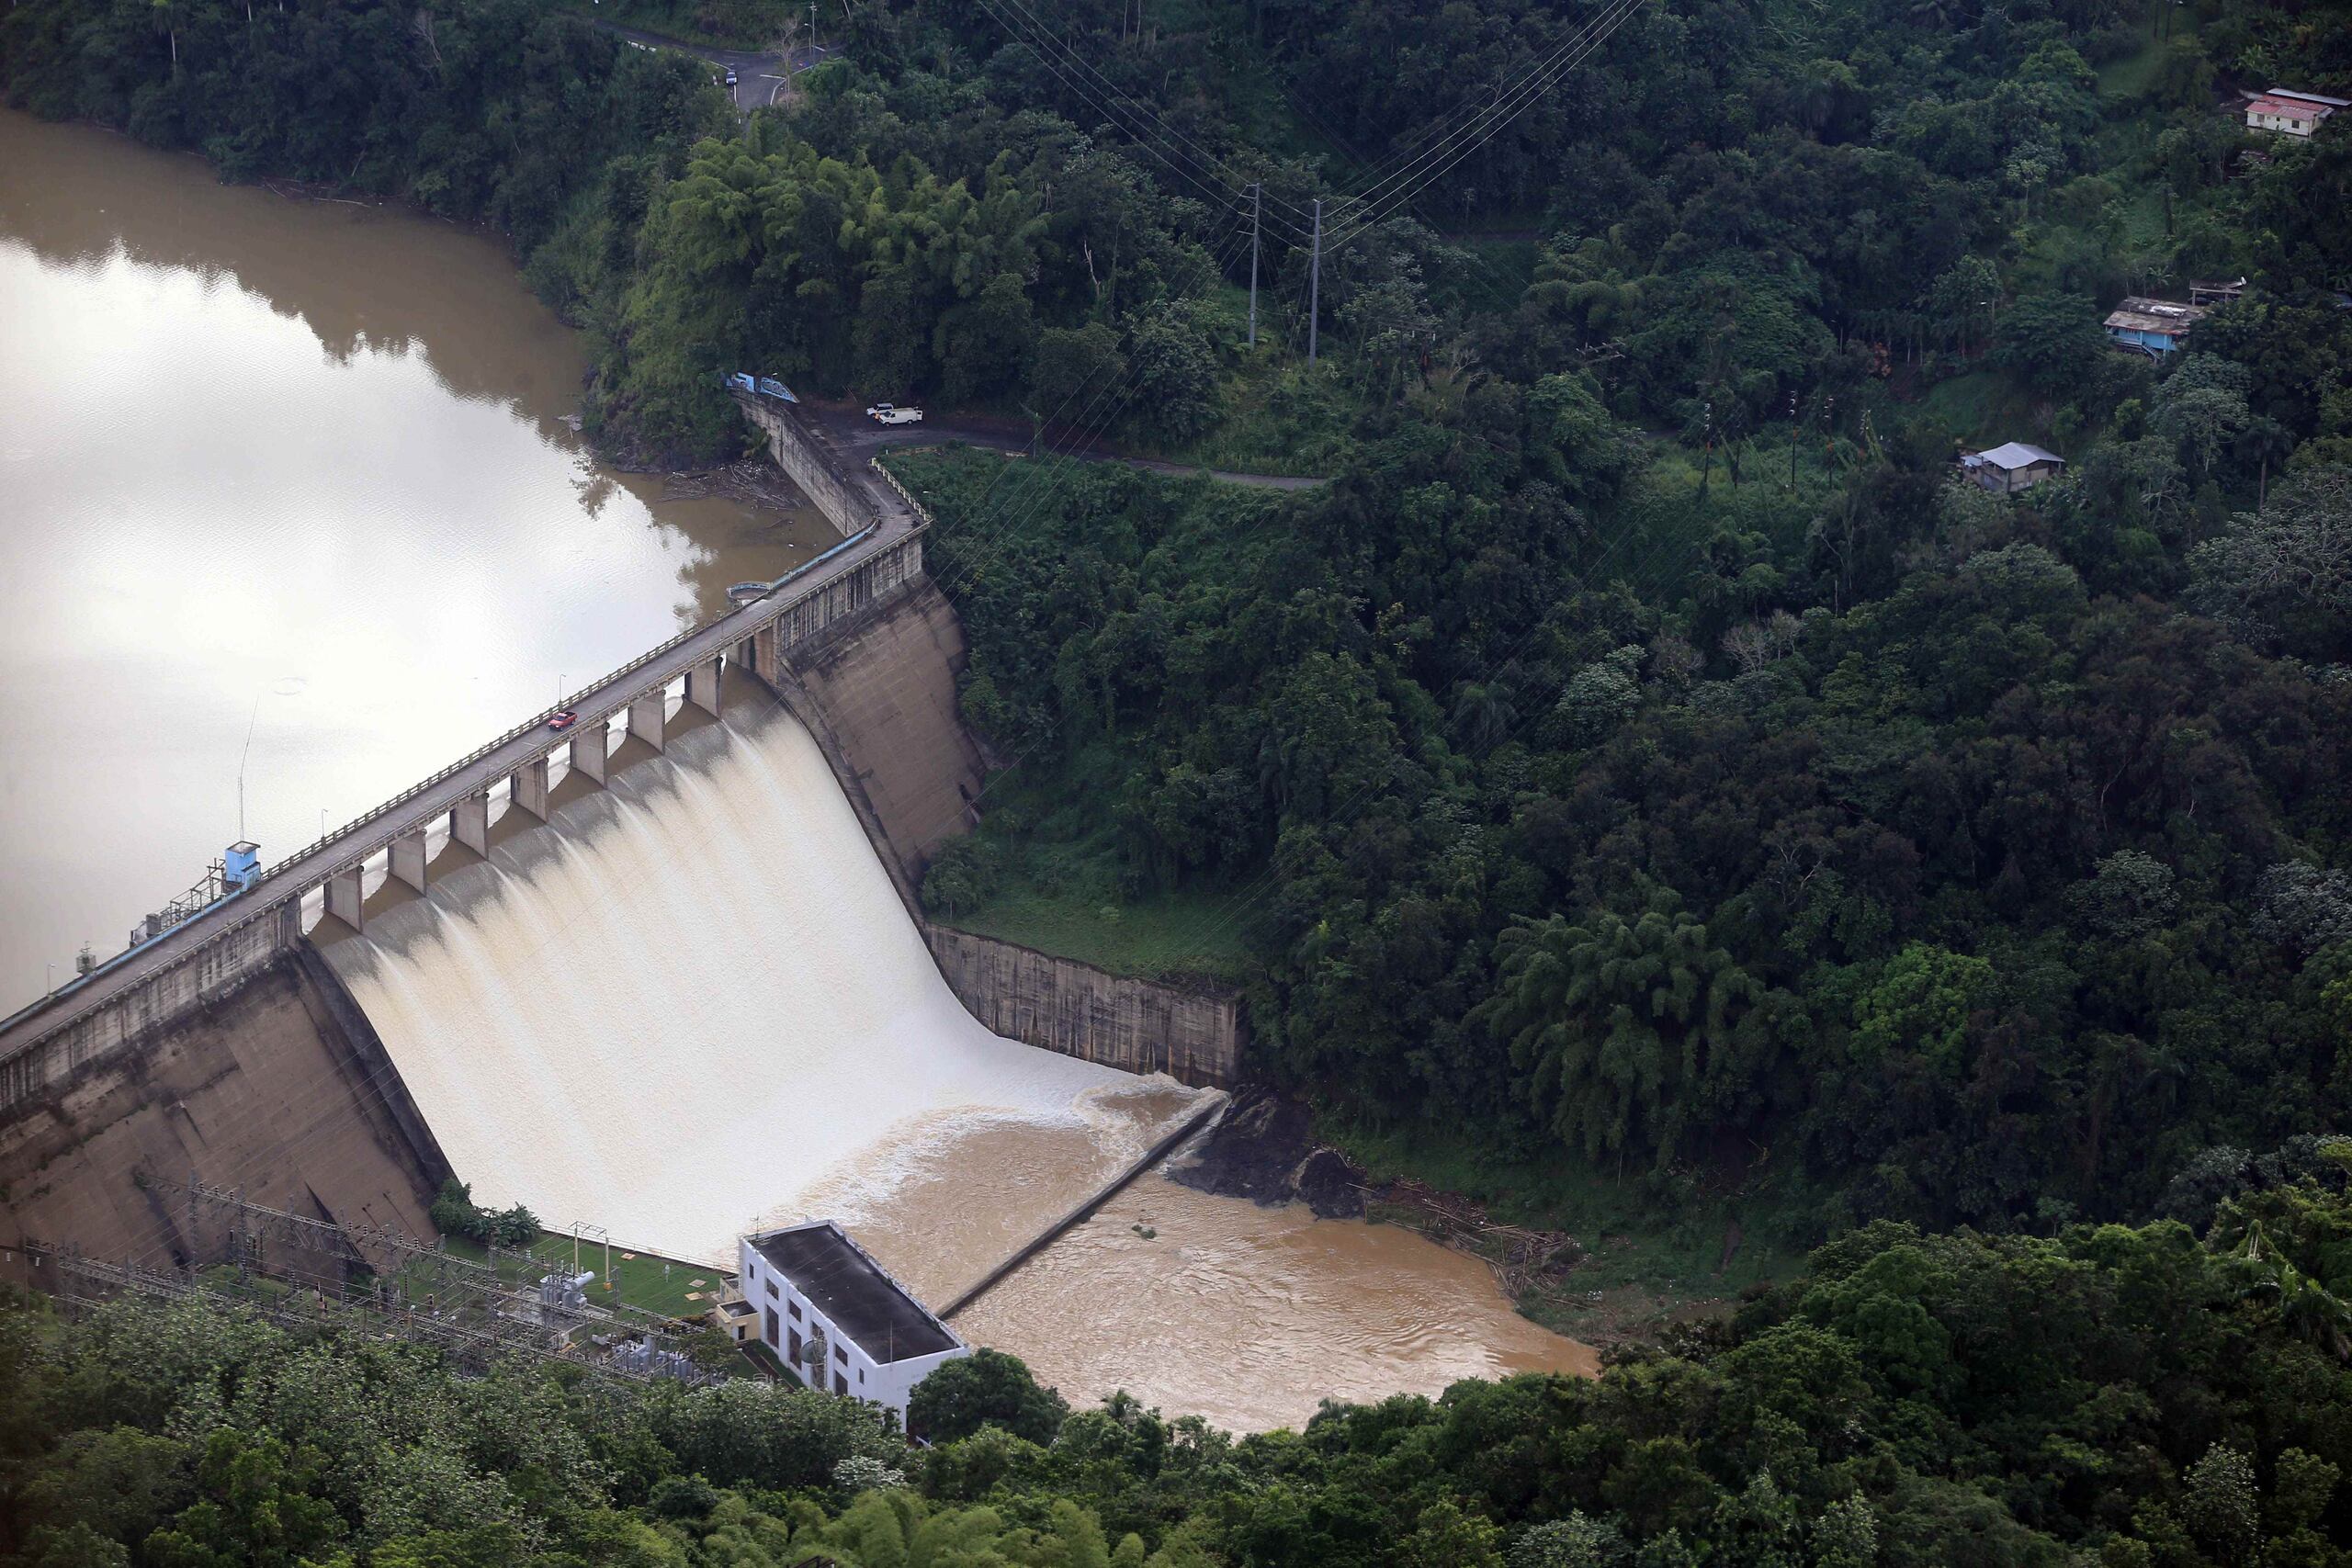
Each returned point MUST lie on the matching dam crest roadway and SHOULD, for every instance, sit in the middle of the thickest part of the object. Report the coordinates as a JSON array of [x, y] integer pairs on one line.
[[45, 1043]]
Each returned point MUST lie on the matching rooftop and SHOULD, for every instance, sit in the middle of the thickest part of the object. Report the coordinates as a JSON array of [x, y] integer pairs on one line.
[[2300, 106], [2012, 455], [845, 1284], [2142, 314], [2320, 99]]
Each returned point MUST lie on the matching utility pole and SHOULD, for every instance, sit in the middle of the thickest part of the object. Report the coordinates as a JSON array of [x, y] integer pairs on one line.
[[1792, 441], [1315, 282], [1254, 193]]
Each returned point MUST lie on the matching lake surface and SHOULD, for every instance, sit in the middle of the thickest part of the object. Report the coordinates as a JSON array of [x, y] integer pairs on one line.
[[297, 469]]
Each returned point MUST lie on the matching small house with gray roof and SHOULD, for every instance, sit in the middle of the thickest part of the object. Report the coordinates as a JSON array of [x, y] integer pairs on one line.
[[2013, 465]]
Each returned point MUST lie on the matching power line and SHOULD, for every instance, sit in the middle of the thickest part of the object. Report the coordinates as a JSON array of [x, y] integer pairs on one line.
[[1069, 52], [1398, 163], [1579, 48]]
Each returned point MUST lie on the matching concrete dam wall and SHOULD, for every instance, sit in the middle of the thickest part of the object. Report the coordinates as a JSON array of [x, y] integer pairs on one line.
[[1060, 1004], [801, 452], [126, 999], [279, 1088], [881, 695], [227, 1053]]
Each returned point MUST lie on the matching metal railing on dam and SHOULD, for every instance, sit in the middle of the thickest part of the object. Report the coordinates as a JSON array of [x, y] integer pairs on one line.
[[42, 1045]]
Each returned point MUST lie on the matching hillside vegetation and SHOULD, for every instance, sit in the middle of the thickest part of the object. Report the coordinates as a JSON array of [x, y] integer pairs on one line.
[[2113, 1396], [1646, 769]]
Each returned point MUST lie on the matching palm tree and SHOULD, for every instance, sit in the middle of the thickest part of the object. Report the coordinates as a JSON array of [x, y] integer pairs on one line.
[[1631, 1030], [1483, 716], [2306, 1308]]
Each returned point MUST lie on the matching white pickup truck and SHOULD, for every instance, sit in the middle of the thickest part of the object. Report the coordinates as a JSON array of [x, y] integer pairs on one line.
[[891, 414]]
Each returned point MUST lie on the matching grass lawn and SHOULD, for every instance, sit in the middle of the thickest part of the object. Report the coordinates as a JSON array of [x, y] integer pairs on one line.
[[646, 1281], [2131, 76], [1172, 933], [1982, 408], [768, 1362]]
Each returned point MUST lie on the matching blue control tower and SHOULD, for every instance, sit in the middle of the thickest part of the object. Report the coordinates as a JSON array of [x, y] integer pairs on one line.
[[239, 865]]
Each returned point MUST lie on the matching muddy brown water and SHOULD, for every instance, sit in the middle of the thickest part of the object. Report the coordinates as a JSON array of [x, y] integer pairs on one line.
[[1252, 1317], [302, 469], [290, 467]]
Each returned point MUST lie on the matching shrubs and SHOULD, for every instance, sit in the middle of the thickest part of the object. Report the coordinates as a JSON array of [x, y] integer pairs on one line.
[[455, 1213]]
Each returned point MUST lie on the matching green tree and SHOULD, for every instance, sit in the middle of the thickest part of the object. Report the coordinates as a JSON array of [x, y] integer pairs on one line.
[[2219, 1503], [2285, 575], [258, 1503], [1926, 999], [2050, 340], [985, 1388], [1632, 1032], [1445, 1537], [1176, 376]]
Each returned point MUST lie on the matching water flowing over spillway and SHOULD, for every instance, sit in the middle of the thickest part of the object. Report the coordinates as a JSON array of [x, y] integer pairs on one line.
[[693, 1003], [696, 1000]]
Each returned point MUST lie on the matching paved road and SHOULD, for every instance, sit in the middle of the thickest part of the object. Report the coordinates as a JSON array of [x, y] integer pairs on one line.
[[423, 802], [846, 425], [761, 75]]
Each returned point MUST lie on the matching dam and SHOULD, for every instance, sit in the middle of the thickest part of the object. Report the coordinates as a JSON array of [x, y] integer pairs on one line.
[[662, 972], [589, 1032]]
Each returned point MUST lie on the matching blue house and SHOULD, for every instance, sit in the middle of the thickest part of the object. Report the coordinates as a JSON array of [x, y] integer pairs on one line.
[[2154, 327]]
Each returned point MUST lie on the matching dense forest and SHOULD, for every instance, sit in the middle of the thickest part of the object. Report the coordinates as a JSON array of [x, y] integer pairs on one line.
[[1646, 766], [2130, 1398]]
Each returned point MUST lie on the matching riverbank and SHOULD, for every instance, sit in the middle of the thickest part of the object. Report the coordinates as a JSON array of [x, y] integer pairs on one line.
[[1569, 1263]]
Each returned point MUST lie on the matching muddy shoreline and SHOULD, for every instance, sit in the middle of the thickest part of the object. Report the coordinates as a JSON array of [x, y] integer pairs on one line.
[[1265, 1150]]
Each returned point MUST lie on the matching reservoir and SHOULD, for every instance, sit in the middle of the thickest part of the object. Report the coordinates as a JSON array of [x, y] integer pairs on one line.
[[297, 469], [288, 491]]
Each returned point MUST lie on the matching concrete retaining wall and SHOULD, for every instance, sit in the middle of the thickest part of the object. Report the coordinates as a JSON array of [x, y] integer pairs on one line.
[[1060, 1004], [801, 453], [208, 975], [871, 581], [879, 694], [279, 1088]]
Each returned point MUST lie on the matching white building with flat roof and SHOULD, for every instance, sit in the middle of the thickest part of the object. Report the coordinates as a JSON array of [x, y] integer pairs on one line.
[[813, 1287]]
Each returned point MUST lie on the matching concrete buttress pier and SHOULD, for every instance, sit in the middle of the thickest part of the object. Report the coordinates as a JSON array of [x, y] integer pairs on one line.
[[469, 823], [588, 752], [530, 787], [646, 717], [345, 898], [703, 687], [408, 858]]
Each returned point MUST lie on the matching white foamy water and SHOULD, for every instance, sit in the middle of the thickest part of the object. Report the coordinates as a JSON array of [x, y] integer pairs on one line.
[[695, 1002]]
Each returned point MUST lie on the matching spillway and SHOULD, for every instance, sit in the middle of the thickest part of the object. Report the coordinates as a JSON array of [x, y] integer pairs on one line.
[[695, 1003]]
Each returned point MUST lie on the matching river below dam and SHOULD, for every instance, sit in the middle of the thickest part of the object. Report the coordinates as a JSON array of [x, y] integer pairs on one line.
[[288, 493]]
